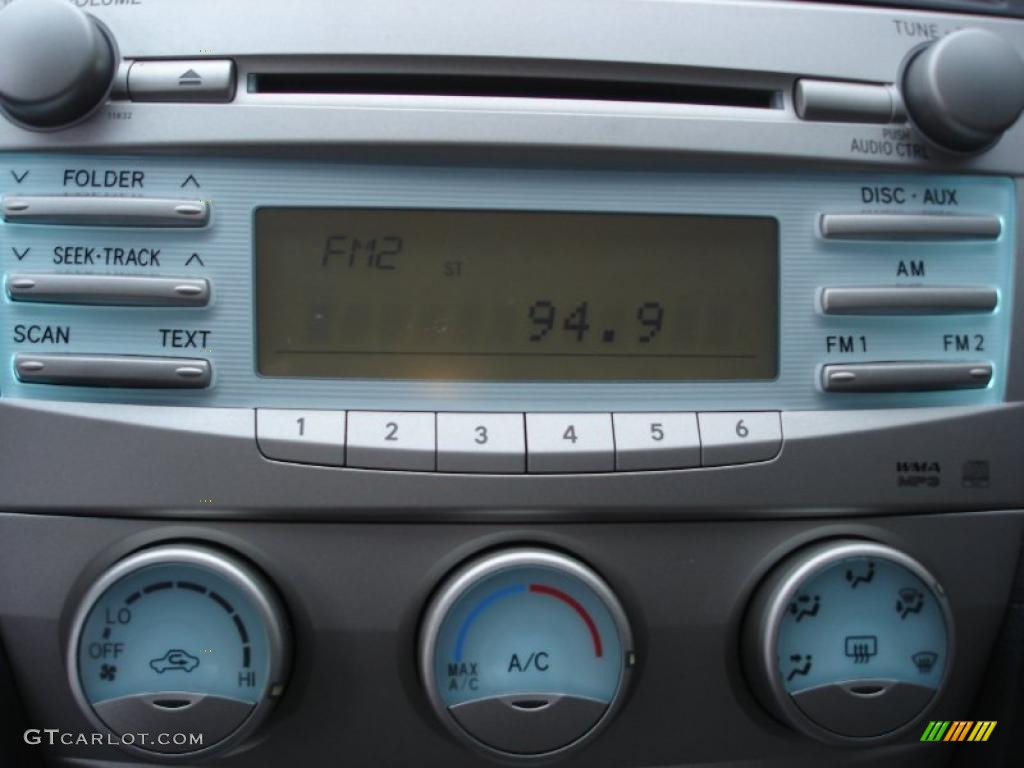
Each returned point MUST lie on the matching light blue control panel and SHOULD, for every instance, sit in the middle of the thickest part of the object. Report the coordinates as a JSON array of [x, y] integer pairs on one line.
[[862, 619], [528, 630], [894, 291], [175, 627]]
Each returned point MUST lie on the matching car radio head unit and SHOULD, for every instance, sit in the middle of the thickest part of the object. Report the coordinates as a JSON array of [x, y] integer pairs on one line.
[[507, 256]]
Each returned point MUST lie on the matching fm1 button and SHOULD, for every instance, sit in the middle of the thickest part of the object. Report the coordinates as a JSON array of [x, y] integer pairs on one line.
[[308, 437], [739, 438], [656, 441]]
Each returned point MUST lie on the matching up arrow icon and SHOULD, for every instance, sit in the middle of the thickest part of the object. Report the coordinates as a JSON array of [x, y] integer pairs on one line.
[[190, 78]]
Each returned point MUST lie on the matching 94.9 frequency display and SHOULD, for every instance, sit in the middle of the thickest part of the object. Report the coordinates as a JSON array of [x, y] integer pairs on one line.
[[515, 295]]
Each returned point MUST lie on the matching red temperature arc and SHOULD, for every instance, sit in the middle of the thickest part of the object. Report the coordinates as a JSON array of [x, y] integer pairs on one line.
[[573, 603]]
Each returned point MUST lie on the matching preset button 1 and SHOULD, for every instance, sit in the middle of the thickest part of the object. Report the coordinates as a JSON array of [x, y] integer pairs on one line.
[[309, 437]]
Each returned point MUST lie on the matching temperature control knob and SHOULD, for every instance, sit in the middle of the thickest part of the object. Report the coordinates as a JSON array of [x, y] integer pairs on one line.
[[525, 652], [56, 63], [965, 90], [181, 641], [849, 641]]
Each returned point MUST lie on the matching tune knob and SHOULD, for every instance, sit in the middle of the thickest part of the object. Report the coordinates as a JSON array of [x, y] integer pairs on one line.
[[965, 90], [56, 63]]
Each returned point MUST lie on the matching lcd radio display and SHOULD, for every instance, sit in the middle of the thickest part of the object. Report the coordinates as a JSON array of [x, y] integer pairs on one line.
[[515, 295]]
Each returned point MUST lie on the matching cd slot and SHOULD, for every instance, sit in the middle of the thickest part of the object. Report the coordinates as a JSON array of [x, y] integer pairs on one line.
[[512, 86]]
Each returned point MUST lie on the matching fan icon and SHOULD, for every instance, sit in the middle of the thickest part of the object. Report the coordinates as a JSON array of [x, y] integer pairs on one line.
[[108, 672]]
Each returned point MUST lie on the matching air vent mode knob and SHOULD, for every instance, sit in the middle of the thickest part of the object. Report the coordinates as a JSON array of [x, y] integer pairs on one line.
[[849, 641], [965, 90], [56, 63]]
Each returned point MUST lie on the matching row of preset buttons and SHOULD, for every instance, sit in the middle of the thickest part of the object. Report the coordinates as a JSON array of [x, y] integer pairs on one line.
[[513, 443]]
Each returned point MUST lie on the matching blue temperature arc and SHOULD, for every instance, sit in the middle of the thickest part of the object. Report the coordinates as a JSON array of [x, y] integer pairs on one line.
[[479, 608], [540, 589]]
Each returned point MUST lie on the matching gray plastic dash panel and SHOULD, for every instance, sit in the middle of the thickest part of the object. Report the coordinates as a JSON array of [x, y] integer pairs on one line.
[[114, 290], [905, 377], [908, 226], [943, 300], [113, 371], [105, 211]]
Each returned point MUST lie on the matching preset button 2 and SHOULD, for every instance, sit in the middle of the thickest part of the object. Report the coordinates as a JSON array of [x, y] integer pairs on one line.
[[391, 440]]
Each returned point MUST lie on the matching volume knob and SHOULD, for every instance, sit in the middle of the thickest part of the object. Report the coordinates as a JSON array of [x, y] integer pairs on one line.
[[965, 90], [56, 63]]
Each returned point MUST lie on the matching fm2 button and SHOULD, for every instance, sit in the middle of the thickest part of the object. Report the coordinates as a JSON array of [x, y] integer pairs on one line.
[[739, 438]]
